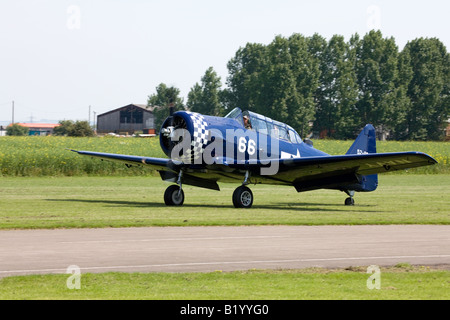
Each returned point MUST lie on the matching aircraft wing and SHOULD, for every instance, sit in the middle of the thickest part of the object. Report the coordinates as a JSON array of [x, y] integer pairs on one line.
[[363, 164], [154, 163], [168, 169], [344, 171], [331, 172], [308, 173]]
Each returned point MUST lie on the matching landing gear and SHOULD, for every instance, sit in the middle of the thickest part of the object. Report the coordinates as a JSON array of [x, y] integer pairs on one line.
[[174, 196], [350, 201], [243, 197]]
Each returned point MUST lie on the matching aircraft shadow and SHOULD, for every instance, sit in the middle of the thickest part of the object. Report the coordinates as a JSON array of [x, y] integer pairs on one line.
[[303, 206], [114, 203], [314, 207]]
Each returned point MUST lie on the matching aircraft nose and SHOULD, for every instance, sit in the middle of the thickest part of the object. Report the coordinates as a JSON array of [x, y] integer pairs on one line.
[[184, 125]]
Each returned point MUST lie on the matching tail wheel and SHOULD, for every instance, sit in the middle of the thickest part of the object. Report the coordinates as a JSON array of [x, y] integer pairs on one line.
[[243, 197], [350, 201], [174, 196]]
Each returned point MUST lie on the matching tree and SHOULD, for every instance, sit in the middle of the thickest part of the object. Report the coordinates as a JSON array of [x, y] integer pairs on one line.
[[397, 114], [195, 98], [64, 129], [376, 68], [428, 89], [277, 80], [337, 92], [205, 98], [343, 86], [164, 98], [346, 89], [278, 83], [81, 129], [16, 129], [74, 129], [245, 81], [306, 71]]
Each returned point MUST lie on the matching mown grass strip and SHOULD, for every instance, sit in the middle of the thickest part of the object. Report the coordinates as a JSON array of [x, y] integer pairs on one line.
[[99, 202], [400, 282]]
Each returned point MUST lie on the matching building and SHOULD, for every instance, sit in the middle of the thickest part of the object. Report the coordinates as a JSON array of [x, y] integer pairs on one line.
[[39, 129], [447, 131], [127, 120]]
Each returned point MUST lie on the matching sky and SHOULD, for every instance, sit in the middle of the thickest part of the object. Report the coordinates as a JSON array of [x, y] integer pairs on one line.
[[73, 59]]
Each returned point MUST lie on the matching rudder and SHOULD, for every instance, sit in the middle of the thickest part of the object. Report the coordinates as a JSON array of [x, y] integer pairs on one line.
[[366, 143]]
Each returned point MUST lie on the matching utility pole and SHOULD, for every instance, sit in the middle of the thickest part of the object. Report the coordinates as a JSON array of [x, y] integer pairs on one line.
[[95, 128], [89, 119], [12, 112]]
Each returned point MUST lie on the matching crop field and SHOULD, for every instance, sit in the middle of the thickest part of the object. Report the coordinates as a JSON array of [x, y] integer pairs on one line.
[[48, 156]]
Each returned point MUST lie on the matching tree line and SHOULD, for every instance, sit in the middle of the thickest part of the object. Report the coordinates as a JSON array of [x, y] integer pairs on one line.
[[68, 128], [333, 87]]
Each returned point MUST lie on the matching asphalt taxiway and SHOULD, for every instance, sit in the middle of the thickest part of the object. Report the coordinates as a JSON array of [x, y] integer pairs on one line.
[[203, 249]]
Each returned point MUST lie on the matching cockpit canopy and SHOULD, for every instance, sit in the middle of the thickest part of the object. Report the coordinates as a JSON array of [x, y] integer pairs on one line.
[[265, 125]]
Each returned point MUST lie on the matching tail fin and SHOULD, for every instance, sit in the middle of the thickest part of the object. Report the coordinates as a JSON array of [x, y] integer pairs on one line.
[[366, 143]]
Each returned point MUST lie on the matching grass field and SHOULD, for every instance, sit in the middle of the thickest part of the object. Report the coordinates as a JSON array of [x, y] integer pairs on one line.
[[70, 202], [82, 202], [399, 282]]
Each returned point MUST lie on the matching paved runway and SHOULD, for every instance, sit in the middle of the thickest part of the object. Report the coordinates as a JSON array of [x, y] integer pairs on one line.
[[198, 249]]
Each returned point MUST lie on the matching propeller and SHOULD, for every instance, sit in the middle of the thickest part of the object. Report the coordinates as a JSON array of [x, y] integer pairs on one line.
[[169, 127]]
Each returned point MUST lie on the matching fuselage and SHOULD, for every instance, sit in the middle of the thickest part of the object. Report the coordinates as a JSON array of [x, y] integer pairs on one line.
[[227, 139]]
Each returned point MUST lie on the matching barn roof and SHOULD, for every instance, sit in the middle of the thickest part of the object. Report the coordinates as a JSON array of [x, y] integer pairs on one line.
[[140, 106]]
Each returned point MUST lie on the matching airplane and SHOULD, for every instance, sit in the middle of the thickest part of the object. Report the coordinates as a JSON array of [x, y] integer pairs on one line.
[[248, 148]]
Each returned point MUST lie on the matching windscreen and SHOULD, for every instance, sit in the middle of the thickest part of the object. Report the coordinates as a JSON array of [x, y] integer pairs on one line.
[[233, 114]]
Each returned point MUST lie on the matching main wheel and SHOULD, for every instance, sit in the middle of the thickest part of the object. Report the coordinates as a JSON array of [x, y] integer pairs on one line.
[[174, 196], [242, 197]]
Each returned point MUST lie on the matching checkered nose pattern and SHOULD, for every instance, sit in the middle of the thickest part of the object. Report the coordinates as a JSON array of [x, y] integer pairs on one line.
[[199, 138]]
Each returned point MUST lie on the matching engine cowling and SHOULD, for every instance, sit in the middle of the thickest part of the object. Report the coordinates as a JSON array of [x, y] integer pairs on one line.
[[184, 136]]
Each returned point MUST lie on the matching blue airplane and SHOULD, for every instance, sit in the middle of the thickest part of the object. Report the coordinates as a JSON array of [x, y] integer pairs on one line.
[[249, 148]]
